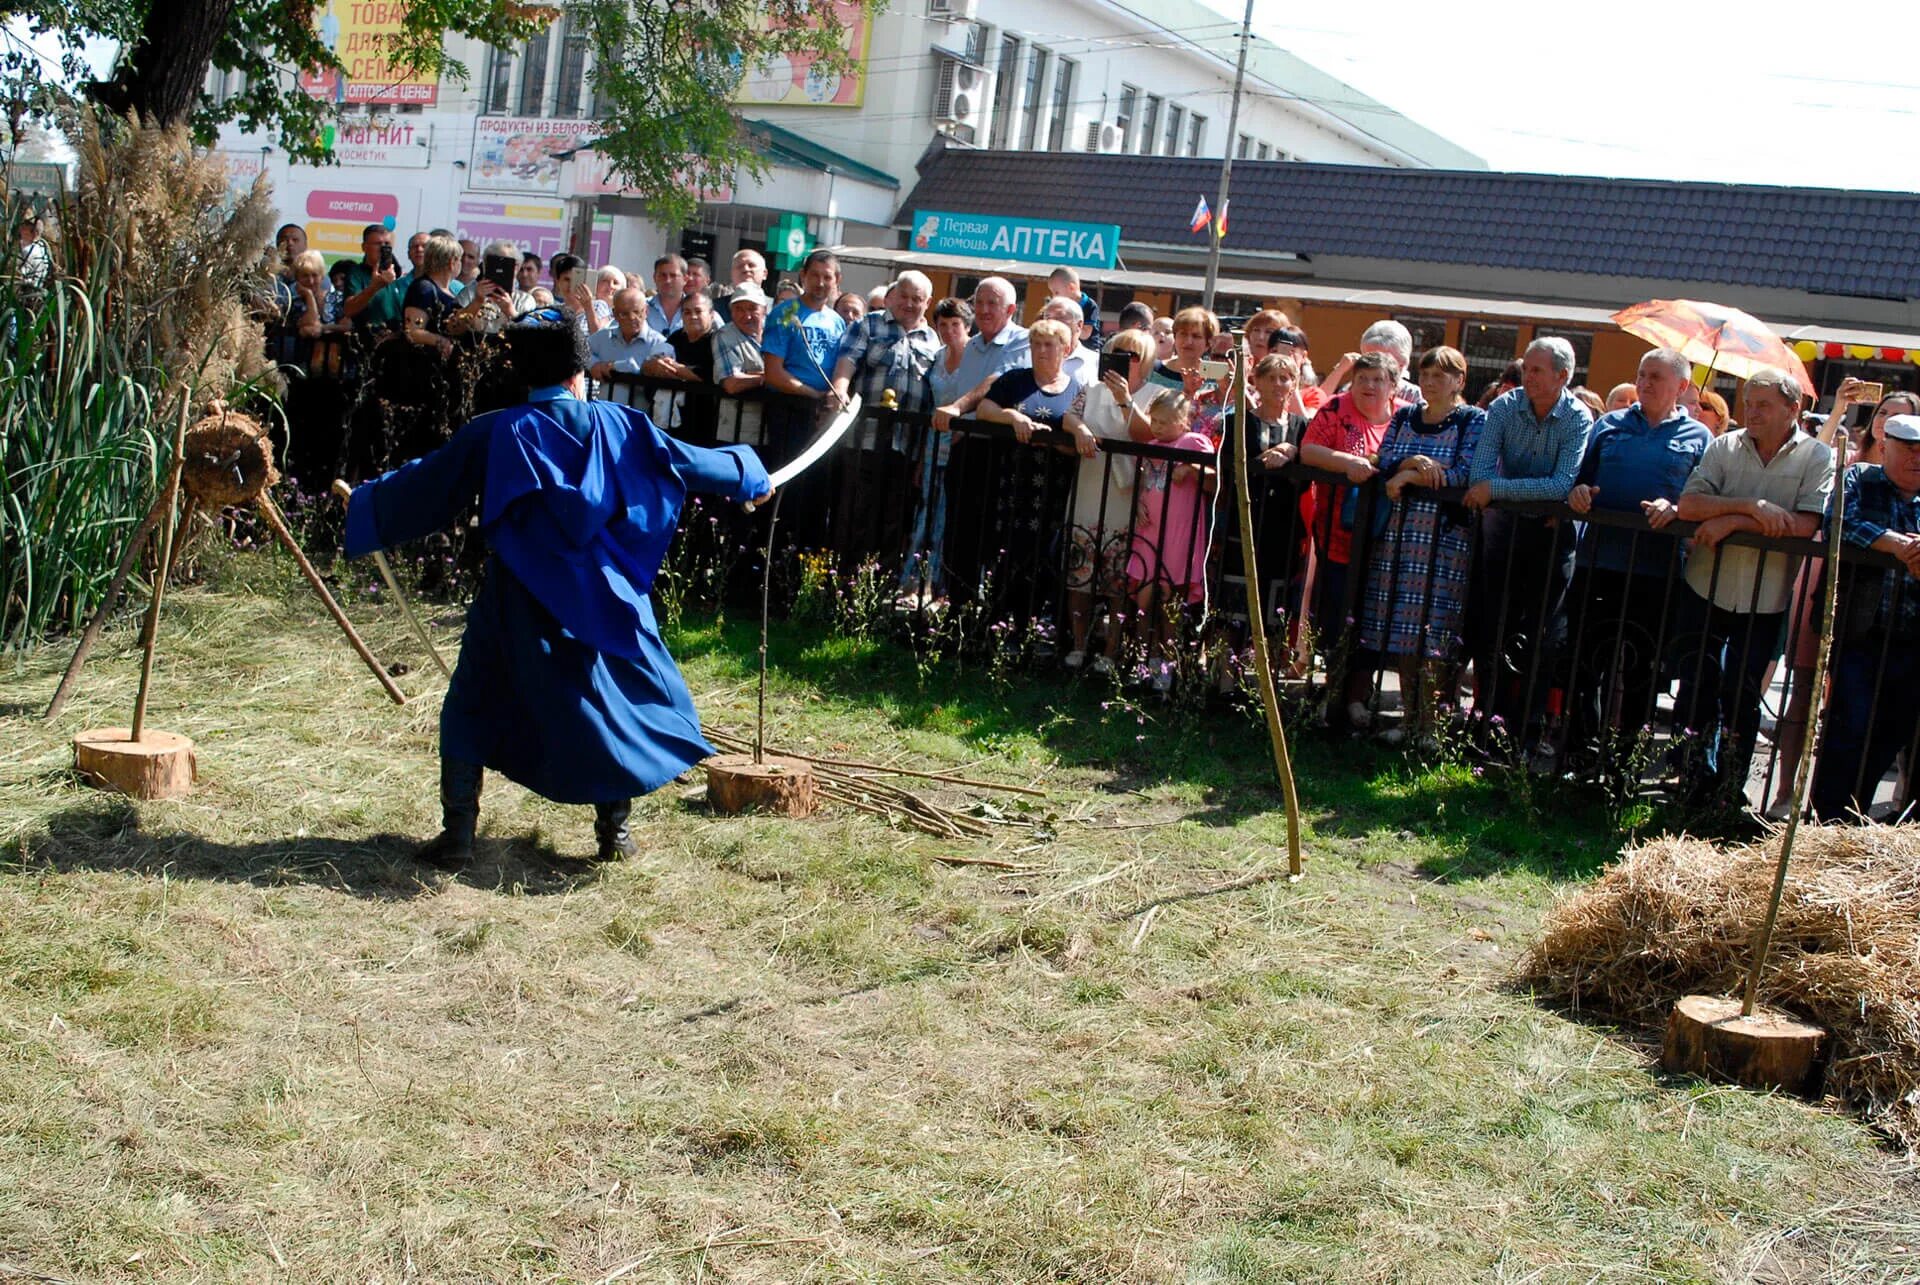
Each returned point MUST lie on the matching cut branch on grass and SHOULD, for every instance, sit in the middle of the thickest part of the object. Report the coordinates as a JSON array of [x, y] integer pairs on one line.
[[732, 741], [1196, 894], [836, 780]]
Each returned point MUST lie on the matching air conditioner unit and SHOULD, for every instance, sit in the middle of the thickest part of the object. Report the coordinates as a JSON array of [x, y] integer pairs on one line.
[[953, 10], [1104, 136], [962, 99]]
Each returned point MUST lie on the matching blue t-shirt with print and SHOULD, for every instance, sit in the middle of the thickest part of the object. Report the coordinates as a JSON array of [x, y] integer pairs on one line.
[[806, 339]]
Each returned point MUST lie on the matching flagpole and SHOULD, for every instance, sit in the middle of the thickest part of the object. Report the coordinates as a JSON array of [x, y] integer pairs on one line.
[[1226, 163]]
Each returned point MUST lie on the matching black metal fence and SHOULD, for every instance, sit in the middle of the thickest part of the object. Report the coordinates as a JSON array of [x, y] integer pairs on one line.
[[1575, 644]]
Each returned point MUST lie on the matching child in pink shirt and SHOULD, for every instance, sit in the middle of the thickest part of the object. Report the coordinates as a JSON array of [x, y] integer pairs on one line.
[[1171, 533]]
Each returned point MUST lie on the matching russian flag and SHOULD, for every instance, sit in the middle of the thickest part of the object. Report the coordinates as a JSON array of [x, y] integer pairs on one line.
[[1202, 216]]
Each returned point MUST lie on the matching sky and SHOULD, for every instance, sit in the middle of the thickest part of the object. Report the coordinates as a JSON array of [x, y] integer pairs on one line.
[[1761, 92]]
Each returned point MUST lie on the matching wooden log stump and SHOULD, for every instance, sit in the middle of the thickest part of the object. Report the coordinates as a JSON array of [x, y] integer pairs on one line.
[[1707, 1036], [735, 783], [160, 765]]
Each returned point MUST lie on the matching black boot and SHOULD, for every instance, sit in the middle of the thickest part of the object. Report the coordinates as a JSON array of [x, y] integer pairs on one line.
[[452, 848], [610, 828]]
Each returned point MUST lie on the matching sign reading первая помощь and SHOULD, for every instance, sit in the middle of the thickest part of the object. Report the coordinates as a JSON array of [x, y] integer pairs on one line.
[[993, 236]]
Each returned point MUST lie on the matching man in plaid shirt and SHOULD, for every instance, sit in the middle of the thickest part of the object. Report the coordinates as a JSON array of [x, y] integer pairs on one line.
[[889, 350], [1873, 706]]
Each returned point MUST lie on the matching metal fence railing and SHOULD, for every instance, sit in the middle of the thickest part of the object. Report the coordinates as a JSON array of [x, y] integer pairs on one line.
[[1573, 642]]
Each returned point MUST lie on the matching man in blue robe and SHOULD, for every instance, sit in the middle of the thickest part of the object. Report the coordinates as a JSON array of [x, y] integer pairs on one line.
[[563, 683]]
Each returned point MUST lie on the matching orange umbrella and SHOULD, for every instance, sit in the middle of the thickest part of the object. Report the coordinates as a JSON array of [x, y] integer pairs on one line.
[[1715, 336]]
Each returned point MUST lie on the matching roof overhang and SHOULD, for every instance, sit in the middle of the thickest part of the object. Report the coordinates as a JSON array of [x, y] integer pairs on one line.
[[1388, 301]]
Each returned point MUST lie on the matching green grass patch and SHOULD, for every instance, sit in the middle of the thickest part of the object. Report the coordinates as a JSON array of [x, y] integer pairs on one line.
[[266, 1045]]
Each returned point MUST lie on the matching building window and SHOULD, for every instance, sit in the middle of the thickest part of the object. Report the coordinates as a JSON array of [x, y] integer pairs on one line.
[[533, 77], [1123, 117], [1488, 348], [573, 67], [1150, 125], [1261, 152], [1003, 85], [1244, 148], [1062, 104], [1196, 135], [1176, 119], [1036, 86], [497, 92], [979, 36]]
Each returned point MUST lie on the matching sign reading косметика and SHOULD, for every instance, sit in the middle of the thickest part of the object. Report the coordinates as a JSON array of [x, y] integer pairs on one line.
[[993, 236]]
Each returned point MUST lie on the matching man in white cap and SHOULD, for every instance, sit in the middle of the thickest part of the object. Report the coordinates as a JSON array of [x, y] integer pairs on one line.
[[737, 366], [1874, 702]]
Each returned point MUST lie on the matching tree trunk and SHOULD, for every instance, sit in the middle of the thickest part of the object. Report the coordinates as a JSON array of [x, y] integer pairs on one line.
[[160, 77]]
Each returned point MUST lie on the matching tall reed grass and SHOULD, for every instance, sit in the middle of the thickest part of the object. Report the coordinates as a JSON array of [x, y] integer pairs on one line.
[[154, 264], [80, 455]]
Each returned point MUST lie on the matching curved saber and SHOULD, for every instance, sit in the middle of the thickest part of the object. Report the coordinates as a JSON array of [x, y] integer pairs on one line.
[[820, 446]]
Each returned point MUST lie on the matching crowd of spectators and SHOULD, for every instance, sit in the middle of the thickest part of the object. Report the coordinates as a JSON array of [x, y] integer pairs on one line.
[[1432, 526]]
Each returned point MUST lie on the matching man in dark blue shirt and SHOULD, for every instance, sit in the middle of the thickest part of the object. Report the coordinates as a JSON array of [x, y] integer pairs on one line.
[[1637, 460]]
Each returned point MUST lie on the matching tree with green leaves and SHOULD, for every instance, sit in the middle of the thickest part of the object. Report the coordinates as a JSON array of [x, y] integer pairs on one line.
[[667, 69]]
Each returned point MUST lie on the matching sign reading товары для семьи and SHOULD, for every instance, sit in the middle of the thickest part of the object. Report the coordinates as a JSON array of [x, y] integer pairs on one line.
[[992, 236]]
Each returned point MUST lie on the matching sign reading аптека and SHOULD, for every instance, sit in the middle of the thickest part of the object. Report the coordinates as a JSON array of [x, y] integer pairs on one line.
[[993, 236]]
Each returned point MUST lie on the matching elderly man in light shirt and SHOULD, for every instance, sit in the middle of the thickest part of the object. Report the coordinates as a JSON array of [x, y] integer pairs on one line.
[[737, 364], [999, 344], [1529, 451], [630, 346], [1764, 478]]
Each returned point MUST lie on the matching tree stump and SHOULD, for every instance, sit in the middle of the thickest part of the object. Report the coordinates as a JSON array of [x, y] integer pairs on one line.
[[160, 765], [1707, 1036], [735, 783]]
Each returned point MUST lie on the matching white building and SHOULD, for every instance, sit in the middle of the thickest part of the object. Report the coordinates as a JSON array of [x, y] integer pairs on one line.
[[502, 156]]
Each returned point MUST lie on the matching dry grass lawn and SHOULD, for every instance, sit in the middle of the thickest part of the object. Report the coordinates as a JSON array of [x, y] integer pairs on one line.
[[242, 1038]]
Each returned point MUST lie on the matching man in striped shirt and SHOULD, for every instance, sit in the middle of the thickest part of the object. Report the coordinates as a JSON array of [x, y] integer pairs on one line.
[[1529, 450]]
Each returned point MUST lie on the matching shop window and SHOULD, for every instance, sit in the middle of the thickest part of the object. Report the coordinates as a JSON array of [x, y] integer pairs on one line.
[[1488, 347]]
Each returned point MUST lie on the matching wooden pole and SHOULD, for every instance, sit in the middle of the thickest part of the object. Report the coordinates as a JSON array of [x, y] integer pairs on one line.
[[766, 598], [1256, 615], [1803, 771], [168, 515], [189, 508], [345, 492], [264, 503], [90, 636]]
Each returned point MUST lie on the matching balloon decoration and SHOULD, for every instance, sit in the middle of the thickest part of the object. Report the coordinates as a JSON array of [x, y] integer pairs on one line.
[[1806, 350], [1833, 352]]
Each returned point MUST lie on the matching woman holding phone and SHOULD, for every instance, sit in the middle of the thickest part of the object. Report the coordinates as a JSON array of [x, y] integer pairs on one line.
[[1100, 510]]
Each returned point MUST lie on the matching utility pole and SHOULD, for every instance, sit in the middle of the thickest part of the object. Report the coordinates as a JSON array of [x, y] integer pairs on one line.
[[1226, 163]]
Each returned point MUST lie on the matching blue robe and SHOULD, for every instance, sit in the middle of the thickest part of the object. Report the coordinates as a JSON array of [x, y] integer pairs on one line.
[[563, 682]]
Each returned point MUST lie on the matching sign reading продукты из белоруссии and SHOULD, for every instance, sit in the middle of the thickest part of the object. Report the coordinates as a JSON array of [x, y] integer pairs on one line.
[[994, 236]]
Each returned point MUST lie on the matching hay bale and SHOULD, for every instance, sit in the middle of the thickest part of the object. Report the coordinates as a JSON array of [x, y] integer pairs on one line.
[[229, 459], [1678, 916]]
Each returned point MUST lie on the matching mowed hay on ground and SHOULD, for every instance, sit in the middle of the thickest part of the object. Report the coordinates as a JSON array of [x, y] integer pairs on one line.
[[1678, 916]]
